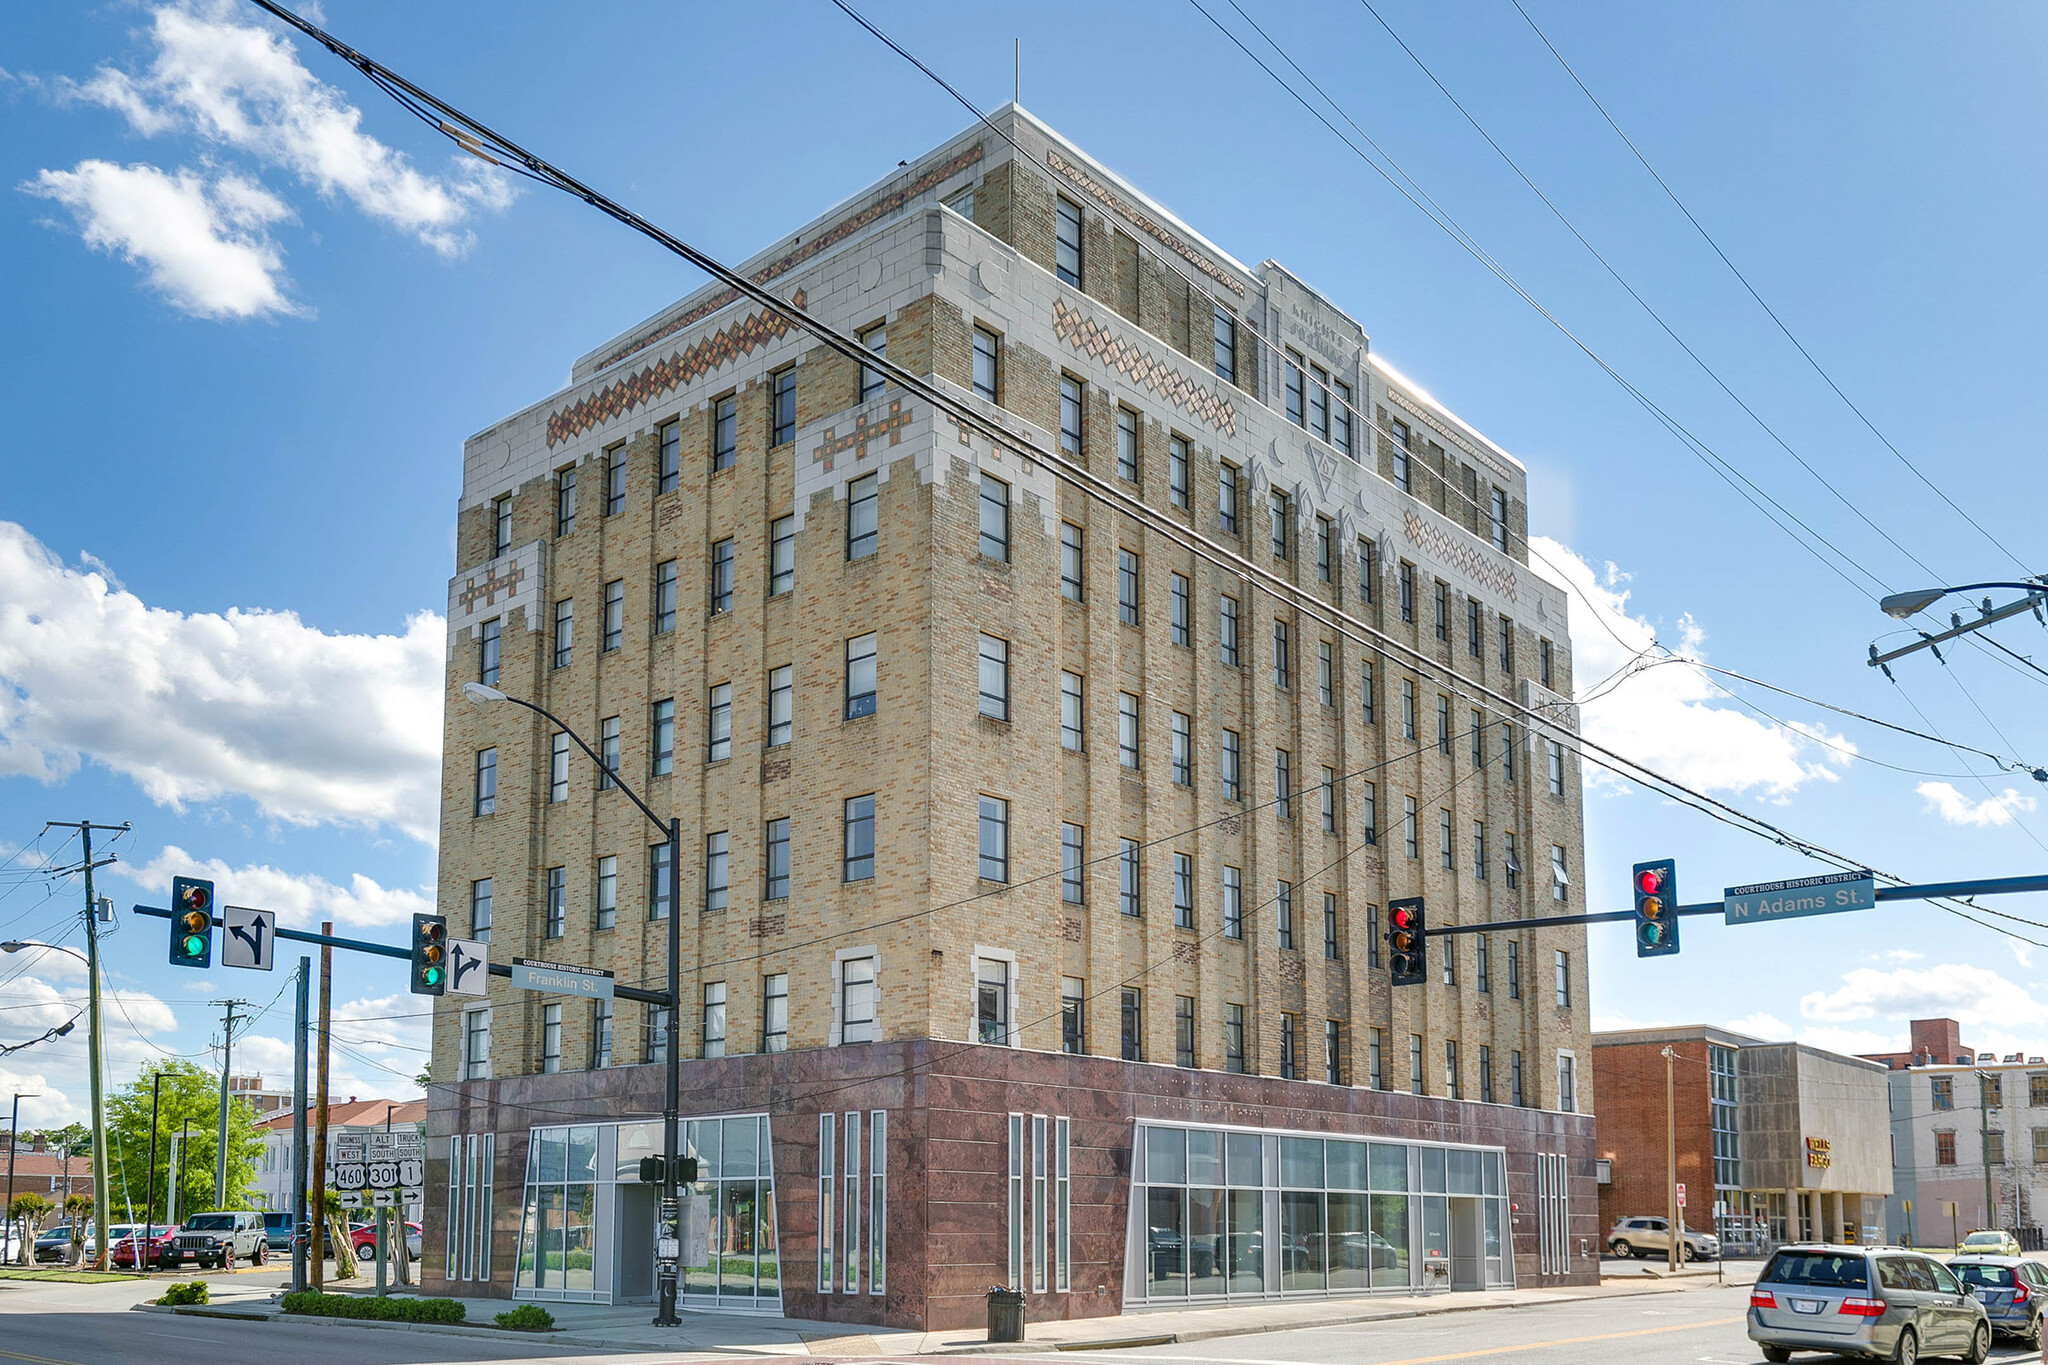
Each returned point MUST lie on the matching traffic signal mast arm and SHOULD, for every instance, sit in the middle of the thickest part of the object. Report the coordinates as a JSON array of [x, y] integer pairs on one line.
[[356, 945], [1991, 886]]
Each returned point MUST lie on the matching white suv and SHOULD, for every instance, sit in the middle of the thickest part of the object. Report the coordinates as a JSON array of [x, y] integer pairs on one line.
[[1652, 1236], [221, 1239]]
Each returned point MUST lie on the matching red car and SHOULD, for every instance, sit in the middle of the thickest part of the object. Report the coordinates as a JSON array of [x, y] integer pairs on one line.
[[363, 1238], [160, 1249]]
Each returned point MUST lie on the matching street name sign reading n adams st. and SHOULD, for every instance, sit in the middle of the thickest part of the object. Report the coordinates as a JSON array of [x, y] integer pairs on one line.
[[561, 978], [1827, 895]]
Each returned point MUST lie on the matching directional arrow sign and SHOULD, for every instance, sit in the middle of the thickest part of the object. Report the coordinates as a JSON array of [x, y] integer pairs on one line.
[[469, 967], [251, 937]]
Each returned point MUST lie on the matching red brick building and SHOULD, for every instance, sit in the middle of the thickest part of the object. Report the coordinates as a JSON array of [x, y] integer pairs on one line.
[[1630, 1134], [1936, 1042]]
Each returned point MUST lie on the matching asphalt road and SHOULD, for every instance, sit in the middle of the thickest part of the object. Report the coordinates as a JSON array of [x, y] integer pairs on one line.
[[1700, 1325]]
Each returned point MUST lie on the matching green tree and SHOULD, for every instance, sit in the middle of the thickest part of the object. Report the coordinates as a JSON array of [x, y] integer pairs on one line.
[[28, 1211], [191, 1097], [75, 1139]]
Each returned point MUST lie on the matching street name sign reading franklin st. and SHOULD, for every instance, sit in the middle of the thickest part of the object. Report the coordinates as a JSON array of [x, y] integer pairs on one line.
[[1826, 895], [561, 978]]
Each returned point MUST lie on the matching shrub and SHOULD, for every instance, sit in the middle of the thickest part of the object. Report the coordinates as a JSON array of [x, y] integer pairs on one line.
[[527, 1317], [312, 1304], [175, 1294]]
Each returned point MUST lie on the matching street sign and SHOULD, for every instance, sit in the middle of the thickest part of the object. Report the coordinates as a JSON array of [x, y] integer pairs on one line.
[[349, 1199], [378, 1165], [561, 978], [469, 967], [1681, 1194], [251, 937], [1827, 895], [384, 1199]]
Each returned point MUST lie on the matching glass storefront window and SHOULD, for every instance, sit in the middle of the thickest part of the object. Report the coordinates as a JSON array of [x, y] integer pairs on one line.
[[581, 1180], [1352, 1215]]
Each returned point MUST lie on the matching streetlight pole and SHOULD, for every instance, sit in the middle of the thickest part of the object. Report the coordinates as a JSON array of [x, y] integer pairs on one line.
[[1984, 1082], [13, 1143], [668, 1222], [1905, 605], [1670, 1165]]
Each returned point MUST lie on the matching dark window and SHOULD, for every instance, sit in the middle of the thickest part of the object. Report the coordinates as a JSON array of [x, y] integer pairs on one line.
[[781, 555], [775, 879], [486, 781], [725, 427], [557, 921], [721, 576], [1071, 394], [488, 651], [664, 597], [668, 464], [995, 518], [1223, 328], [993, 841], [872, 381], [1127, 587], [614, 615], [1406, 576], [615, 481], [1296, 405], [986, 349], [782, 407], [1184, 1030], [501, 526], [1133, 1025], [1067, 241], [863, 516], [660, 885], [1127, 444], [565, 502], [859, 858], [565, 631]]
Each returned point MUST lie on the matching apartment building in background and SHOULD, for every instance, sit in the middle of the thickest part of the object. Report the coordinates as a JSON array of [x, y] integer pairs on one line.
[[1035, 864], [272, 1187], [1969, 1129]]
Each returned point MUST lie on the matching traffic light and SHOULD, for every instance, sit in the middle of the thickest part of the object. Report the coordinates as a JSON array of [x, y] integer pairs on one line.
[[652, 1169], [429, 954], [191, 922], [1656, 893], [1408, 955]]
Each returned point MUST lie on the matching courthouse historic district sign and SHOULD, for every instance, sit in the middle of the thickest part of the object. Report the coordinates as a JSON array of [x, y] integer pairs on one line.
[[388, 1168], [561, 978], [1828, 895]]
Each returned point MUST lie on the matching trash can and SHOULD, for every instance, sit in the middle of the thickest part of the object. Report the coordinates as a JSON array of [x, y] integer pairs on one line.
[[1005, 1314]]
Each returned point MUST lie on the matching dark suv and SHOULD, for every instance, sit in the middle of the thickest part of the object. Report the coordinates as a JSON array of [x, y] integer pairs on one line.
[[1881, 1303], [221, 1239]]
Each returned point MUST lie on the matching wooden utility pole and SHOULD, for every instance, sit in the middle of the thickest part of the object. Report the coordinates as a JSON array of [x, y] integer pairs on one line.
[[317, 1174]]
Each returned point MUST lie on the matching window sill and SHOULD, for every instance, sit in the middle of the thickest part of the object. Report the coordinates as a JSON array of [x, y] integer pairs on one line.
[[865, 715], [985, 718], [717, 762]]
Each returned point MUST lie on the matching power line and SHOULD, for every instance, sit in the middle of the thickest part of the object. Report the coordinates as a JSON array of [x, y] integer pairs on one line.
[[493, 146], [1618, 278], [1769, 311]]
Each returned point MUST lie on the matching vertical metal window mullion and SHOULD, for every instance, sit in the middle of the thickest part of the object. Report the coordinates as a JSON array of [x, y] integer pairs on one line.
[[878, 1200], [453, 1256], [1015, 1203], [852, 1218], [828, 1127], [1062, 1259]]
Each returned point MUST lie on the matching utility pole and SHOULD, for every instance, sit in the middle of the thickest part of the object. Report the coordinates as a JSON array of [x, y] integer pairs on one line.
[[227, 1060], [316, 1169], [1670, 1164], [1984, 1082], [298, 1205], [94, 1040], [148, 1244]]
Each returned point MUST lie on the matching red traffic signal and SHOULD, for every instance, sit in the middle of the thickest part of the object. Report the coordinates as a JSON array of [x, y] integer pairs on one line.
[[1650, 880], [1408, 941]]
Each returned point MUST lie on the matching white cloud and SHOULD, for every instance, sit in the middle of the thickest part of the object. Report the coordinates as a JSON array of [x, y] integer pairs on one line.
[[240, 85], [299, 900], [1768, 1027], [1671, 716], [202, 242], [1957, 809], [310, 726], [1970, 994]]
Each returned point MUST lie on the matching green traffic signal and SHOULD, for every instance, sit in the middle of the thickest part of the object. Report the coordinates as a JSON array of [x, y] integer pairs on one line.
[[429, 953], [191, 922]]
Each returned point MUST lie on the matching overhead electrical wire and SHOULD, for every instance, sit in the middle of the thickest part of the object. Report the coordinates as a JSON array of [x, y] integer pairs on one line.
[[481, 140], [1769, 311]]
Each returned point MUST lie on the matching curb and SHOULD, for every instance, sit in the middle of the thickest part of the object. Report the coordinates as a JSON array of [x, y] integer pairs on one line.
[[1213, 1333], [553, 1337]]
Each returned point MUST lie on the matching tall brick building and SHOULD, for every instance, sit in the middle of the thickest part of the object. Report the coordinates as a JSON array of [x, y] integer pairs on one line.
[[1034, 867]]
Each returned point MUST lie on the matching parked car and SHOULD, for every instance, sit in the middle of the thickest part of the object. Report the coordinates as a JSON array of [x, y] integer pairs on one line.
[[1652, 1237], [221, 1239], [160, 1252], [363, 1237], [54, 1243], [2013, 1291], [1878, 1302], [277, 1231], [1989, 1242]]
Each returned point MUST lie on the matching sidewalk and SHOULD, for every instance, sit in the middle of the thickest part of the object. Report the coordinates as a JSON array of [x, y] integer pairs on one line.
[[626, 1327]]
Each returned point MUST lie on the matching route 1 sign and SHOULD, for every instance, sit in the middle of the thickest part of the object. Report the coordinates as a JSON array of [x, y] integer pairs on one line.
[[251, 937]]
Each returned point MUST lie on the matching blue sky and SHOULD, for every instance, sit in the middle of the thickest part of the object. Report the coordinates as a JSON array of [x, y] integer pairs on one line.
[[254, 309]]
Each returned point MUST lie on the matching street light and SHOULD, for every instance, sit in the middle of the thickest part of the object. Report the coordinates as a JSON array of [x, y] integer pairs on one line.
[[673, 1078], [14, 1142], [1903, 605]]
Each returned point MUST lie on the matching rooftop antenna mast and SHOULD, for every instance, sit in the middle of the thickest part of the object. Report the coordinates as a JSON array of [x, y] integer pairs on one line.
[[1017, 71]]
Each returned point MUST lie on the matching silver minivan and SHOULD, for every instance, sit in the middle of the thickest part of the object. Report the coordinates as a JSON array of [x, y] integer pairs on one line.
[[1881, 1303]]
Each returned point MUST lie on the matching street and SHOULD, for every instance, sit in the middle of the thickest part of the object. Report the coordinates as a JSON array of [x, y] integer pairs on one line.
[[1704, 1325], [90, 1325]]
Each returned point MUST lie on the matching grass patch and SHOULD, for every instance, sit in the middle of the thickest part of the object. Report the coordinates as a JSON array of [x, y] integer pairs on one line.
[[62, 1276], [311, 1304]]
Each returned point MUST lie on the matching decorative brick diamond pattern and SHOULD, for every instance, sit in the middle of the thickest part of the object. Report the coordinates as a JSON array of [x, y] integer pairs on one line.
[[722, 347], [1142, 221], [1090, 338], [864, 431], [1483, 565], [832, 236], [493, 585]]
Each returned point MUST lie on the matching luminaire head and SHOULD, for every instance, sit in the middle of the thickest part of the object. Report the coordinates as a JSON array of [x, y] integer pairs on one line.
[[481, 694], [1903, 605]]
